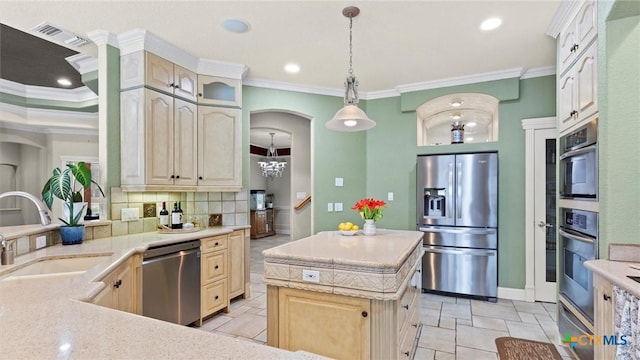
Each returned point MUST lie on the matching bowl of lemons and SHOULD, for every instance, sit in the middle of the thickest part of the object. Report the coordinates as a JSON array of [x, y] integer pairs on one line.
[[348, 229]]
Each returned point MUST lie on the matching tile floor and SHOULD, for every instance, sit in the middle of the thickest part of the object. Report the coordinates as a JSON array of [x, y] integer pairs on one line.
[[453, 328]]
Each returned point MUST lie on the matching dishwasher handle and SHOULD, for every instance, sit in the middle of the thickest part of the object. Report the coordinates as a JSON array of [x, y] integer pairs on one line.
[[156, 251]]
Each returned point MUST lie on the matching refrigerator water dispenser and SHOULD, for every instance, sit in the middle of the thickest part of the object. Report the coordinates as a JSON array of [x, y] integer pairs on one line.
[[434, 202]]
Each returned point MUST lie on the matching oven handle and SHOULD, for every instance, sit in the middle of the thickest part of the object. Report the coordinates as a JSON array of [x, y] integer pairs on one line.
[[458, 231], [569, 317], [578, 151], [576, 237], [459, 251]]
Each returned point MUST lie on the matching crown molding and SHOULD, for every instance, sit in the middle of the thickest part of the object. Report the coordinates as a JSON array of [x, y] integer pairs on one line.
[[47, 120], [103, 37], [80, 94], [538, 72], [279, 85], [462, 80], [221, 68], [566, 11], [381, 94], [83, 63], [538, 123]]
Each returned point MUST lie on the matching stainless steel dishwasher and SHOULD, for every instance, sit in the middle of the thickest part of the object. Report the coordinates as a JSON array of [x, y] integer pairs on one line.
[[171, 282]]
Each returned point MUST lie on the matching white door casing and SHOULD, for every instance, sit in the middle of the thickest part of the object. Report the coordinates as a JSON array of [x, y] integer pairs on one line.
[[536, 132]]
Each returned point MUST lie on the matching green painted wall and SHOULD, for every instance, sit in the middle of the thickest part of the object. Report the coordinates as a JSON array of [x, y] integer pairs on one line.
[[383, 159], [619, 126], [113, 121]]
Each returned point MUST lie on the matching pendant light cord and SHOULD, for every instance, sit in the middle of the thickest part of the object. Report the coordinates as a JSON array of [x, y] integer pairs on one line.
[[350, 45]]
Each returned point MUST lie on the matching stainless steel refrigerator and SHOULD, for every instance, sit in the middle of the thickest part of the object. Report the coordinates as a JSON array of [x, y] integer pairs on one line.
[[457, 209]]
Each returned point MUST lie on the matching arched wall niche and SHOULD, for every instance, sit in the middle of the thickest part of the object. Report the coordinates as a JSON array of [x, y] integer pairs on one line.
[[477, 112]]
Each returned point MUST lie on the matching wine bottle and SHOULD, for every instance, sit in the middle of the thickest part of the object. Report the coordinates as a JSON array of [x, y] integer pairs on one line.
[[181, 213], [176, 217], [164, 215]]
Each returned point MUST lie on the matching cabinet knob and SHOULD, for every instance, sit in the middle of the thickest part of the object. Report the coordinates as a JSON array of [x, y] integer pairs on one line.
[[117, 284], [173, 176], [199, 177], [216, 267], [577, 47], [177, 176], [415, 325], [200, 94], [606, 297], [216, 297], [171, 85], [176, 86], [406, 353], [365, 314], [217, 244], [406, 307]]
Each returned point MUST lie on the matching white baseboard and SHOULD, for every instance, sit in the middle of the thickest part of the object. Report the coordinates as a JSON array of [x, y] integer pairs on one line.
[[512, 294]]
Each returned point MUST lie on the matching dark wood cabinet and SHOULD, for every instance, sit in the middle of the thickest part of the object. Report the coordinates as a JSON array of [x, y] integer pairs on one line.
[[262, 223]]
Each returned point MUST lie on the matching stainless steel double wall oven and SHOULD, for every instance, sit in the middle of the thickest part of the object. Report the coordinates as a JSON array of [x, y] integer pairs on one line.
[[457, 209]]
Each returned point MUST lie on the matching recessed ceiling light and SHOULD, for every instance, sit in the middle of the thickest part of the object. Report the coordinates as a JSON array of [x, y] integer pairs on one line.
[[64, 82], [456, 102], [490, 24], [235, 26], [471, 124], [292, 68], [456, 116]]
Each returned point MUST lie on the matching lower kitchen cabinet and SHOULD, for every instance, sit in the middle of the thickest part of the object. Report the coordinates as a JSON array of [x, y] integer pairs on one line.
[[122, 291], [236, 264], [214, 262], [604, 313]]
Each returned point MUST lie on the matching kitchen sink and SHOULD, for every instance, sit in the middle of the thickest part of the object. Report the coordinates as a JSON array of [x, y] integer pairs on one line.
[[56, 267]]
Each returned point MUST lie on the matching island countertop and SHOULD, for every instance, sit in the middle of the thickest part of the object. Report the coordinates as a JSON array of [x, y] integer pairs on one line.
[[49, 318], [364, 266]]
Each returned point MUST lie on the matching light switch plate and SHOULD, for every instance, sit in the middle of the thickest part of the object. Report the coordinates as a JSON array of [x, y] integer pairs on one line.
[[129, 214], [330, 207], [337, 206], [390, 196], [311, 276], [339, 181], [301, 195]]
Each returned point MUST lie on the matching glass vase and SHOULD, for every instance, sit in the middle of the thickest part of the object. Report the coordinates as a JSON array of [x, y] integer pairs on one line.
[[369, 227]]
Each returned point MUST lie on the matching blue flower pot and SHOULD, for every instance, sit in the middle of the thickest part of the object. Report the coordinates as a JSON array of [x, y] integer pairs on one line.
[[71, 235]]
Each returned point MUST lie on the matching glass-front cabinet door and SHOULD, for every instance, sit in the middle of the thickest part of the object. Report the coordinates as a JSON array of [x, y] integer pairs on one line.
[[215, 90]]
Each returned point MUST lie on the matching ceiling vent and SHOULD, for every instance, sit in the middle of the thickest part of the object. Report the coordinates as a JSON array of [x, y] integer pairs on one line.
[[59, 34]]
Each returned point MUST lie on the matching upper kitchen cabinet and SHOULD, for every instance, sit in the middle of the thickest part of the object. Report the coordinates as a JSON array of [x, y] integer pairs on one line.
[[219, 148], [577, 36], [578, 90], [215, 90], [144, 68], [158, 141]]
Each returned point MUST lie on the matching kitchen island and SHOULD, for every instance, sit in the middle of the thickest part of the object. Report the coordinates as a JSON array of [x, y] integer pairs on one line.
[[53, 316], [346, 297]]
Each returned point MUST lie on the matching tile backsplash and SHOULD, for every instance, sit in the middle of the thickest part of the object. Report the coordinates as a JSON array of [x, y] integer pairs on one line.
[[233, 206]]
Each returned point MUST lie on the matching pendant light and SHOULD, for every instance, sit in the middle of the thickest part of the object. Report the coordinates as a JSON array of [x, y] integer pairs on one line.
[[350, 117], [272, 167]]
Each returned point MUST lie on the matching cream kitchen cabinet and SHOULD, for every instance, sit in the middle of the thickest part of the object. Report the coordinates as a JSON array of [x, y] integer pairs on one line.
[[577, 36], [122, 287], [219, 148], [158, 141], [578, 90], [144, 68], [215, 90], [604, 312], [214, 275], [236, 249]]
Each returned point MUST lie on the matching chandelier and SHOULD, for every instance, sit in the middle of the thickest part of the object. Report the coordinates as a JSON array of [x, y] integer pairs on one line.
[[272, 167], [350, 117]]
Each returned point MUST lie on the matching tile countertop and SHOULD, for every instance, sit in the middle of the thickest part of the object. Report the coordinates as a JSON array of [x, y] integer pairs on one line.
[[48, 318], [616, 272]]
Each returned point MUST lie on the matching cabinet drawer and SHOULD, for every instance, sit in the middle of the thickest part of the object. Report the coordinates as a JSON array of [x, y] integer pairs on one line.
[[408, 335], [214, 266], [214, 297], [405, 306], [214, 243]]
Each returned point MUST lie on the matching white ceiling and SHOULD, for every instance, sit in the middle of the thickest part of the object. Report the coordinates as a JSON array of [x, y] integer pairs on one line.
[[394, 42]]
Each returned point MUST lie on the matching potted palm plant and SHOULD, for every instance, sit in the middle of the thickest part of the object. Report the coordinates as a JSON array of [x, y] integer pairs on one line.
[[62, 184]]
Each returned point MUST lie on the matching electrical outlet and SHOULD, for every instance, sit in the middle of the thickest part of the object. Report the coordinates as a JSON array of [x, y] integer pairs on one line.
[[390, 196], [337, 206], [330, 207], [129, 214], [41, 241], [311, 276]]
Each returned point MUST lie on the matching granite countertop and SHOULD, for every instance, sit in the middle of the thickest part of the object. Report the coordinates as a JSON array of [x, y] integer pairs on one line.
[[11, 232], [48, 317], [375, 267], [616, 272]]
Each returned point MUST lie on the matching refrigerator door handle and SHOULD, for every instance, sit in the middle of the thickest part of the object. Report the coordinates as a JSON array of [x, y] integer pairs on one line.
[[459, 190], [449, 202], [459, 251], [473, 231]]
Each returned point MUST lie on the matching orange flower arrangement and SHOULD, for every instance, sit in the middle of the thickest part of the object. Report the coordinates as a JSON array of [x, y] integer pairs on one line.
[[369, 209]]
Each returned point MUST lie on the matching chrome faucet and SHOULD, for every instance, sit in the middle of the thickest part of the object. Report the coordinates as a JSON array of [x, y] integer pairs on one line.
[[6, 253], [45, 219]]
